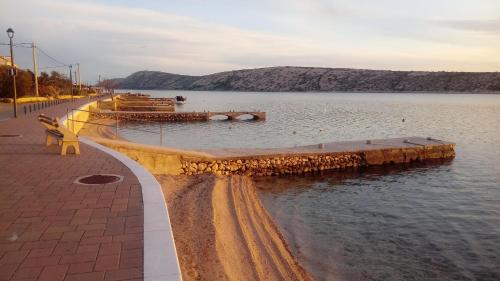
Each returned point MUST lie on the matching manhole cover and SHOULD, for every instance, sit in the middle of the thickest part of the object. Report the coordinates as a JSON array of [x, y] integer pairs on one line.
[[10, 136], [99, 179]]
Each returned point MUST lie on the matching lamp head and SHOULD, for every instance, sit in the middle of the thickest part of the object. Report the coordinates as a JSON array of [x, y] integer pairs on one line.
[[10, 32]]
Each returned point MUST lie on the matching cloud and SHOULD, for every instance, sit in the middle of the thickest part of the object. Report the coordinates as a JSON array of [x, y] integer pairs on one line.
[[484, 26], [116, 40]]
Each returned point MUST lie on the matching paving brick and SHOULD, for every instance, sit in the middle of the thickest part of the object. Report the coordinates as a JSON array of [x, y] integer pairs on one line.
[[88, 248], [27, 272], [97, 226], [81, 267], [132, 262], [39, 245], [83, 212], [79, 257], [96, 240], [53, 273], [93, 233], [51, 236], [35, 253], [14, 257], [110, 249], [7, 270], [41, 261], [72, 236], [106, 263], [66, 248], [91, 276], [123, 274]]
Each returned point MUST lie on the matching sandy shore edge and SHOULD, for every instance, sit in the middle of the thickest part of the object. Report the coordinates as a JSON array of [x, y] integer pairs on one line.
[[222, 231]]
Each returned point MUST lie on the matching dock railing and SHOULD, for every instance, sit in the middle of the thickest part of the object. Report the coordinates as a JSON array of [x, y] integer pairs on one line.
[[72, 120]]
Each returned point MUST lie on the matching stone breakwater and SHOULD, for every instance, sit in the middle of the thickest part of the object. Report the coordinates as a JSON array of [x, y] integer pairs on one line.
[[274, 166], [173, 116], [283, 161], [313, 163], [152, 116]]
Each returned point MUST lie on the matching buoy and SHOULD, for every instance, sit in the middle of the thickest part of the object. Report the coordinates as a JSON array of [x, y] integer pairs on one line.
[[403, 120]]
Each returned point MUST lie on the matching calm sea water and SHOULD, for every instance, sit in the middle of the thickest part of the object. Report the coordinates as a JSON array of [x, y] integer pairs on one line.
[[438, 221]]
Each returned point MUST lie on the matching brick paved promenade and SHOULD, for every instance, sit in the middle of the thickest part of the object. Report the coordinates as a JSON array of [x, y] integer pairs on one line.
[[52, 229]]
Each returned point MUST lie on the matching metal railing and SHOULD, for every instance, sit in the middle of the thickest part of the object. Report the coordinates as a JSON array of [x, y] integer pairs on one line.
[[116, 123], [37, 106]]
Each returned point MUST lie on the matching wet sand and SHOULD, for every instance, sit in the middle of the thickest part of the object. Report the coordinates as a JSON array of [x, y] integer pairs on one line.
[[222, 231]]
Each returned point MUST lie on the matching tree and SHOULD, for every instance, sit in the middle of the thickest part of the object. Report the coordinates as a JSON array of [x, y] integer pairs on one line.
[[48, 85]]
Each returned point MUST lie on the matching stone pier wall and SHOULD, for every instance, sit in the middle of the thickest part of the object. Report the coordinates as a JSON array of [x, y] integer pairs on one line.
[[273, 166], [311, 163], [153, 116]]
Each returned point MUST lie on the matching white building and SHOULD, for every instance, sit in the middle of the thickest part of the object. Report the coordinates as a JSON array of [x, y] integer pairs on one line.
[[5, 61]]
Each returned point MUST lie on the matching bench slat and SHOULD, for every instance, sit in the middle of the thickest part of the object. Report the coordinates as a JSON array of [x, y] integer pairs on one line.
[[56, 133]]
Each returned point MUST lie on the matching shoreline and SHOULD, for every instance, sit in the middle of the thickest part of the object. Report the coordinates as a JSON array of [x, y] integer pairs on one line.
[[234, 239], [220, 227]]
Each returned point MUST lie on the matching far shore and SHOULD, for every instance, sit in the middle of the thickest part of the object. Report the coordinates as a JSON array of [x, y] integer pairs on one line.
[[328, 92]]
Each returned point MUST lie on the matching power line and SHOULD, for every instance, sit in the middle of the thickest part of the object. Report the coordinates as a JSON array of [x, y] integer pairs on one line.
[[50, 67], [50, 57]]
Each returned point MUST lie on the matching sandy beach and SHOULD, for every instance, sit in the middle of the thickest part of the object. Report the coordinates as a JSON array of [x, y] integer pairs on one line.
[[222, 231], [104, 130]]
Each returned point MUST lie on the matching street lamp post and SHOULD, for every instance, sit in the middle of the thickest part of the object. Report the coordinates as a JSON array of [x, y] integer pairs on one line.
[[71, 81], [10, 33]]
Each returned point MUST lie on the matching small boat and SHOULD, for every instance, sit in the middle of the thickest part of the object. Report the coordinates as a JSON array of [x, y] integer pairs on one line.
[[180, 99]]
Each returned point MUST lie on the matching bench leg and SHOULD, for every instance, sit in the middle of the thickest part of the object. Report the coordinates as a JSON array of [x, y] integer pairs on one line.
[[76, 145], [48, 141], [64, 148], [66, 145]]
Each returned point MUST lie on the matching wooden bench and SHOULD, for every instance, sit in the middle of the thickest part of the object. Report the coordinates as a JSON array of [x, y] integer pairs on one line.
[[55, 131]]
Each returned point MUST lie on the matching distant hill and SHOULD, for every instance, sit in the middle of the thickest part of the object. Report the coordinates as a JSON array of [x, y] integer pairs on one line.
[[302, 79]]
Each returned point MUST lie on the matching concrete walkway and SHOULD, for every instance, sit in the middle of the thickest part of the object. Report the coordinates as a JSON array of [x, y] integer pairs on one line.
[[53, 229]]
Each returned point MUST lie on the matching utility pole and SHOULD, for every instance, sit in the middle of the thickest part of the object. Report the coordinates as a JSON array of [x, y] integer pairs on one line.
[[71, 80], [13, 70], [35, 70], [79, 80]]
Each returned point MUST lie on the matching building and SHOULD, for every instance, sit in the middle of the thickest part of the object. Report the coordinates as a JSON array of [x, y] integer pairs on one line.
[[5, 61]]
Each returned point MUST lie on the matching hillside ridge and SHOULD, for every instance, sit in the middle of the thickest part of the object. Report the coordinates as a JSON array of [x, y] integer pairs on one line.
[[315, 79]]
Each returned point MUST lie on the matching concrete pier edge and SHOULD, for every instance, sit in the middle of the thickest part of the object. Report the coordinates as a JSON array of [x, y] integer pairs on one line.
[[160, 255]]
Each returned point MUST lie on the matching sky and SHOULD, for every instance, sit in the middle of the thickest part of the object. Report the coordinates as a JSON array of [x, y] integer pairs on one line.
[[115, 38]]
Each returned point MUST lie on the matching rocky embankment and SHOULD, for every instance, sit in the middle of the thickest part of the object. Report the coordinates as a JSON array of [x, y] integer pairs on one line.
[[312, 163], [274, 166], [281, 79]]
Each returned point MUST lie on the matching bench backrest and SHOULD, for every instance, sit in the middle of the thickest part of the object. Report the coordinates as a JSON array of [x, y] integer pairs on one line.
[[49, 123], [53, 124]]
